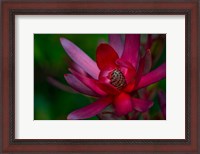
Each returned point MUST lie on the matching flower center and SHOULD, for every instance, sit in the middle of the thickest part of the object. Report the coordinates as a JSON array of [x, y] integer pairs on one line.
[[117, 79]]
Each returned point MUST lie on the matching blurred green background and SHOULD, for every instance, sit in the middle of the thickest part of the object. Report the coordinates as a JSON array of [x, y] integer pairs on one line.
[[50, 61]]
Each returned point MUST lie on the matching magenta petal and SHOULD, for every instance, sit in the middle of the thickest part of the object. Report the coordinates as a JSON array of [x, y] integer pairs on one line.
[[153, 76], [141, 105], [78, 56], [78, 85], [131, 49], [140, 70], [90, 110], [104, 82], [116, 42], [127, 69], [123, 104], [89, 82], [108, 88]]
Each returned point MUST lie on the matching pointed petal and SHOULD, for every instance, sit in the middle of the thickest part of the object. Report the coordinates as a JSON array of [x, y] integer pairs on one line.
[[152, 77], [79, 57], [116, 42], [131, 49], [108, 88], [60, 85], [140, 68], [104, 82], [105, 56], [162, 102], [123, 104], [129, 72], [89, 82], [141, 105], [130, 86], [90, 110], [137, 78], [127, 69], [77, 68], [78, 85]]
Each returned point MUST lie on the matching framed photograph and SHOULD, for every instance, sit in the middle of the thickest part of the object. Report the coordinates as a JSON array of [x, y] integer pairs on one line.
[[81, 76]]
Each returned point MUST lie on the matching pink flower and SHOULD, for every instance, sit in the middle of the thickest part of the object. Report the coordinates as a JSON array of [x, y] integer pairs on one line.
[[118, 71]]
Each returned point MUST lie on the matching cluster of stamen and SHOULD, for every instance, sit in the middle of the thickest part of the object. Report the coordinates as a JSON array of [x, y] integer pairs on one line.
[[117, 79]]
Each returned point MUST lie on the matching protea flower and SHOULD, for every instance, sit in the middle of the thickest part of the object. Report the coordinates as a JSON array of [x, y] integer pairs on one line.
[[118, 72]]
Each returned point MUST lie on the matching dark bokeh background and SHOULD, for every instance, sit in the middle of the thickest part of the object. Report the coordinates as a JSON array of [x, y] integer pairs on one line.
[[51, 62]]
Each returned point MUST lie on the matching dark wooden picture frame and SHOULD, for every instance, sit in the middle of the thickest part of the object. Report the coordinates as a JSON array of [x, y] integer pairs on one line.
[[190, 9]]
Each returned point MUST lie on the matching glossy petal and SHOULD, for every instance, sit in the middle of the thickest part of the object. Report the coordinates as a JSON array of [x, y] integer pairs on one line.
[[90, 110], [153, 76], [78, 85], [105, 73], [123, 104], [108, 88], [141, 105], [89, 82], [129, 72], [116, 42], [127, 69], [104, 82], [130, 86], [136, 80], [131, 49], [78, 56], [106, 56]]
